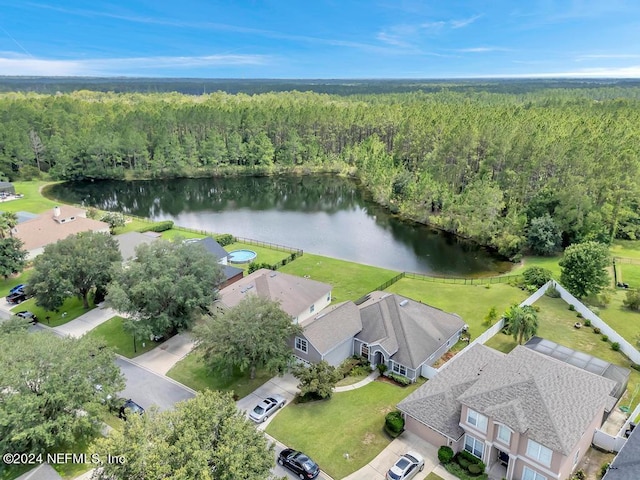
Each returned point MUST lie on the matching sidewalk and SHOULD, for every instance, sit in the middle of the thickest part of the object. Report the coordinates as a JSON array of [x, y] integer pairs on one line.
[[372, 376]]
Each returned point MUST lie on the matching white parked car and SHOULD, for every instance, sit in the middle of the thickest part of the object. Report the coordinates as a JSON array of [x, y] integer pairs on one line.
[[266, 407], [406, 467]]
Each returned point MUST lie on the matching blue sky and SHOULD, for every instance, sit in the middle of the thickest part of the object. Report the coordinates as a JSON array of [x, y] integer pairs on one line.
[[321, 38]]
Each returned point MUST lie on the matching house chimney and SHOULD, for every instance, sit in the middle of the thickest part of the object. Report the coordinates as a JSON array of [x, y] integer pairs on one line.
[[56, 211]]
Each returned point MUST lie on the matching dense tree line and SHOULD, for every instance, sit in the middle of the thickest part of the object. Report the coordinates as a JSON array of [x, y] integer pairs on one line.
[[483, 165]]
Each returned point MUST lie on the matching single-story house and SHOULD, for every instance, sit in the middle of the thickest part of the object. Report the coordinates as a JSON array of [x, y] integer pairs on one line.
[[388, 329], [55, 225], [300, 297], [231, 274], [128, 242], [526, 415]]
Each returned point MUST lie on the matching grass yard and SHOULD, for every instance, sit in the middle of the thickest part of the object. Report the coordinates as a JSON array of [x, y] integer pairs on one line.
[[265, 254], [433, 476], [192, 372], [32, 201], [350, 280], [550, 263], [626, 248], [114, 335], [350, 422], [556, 324], [72, 307], [173, 233], [624, 321], [627, 273], [471, 302]]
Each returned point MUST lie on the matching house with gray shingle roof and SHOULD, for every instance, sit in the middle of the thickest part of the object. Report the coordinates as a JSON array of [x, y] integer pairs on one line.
[[388, 329], [231, 274], [626, 465], [525, 412]]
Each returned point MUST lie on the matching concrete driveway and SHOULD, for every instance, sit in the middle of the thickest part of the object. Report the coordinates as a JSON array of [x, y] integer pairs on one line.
[[286, 386], [147, 388], [162, 358], [378, 467], [86, 322]]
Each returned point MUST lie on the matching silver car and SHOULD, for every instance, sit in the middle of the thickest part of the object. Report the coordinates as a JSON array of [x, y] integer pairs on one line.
[[406, 467], [266, 408]]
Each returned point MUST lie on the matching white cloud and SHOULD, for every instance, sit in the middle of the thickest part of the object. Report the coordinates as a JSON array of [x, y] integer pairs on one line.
[[463, 22], [482, 49], [12, 64], [601, 56]]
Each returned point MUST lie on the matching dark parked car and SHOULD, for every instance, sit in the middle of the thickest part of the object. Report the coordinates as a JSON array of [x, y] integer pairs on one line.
[[28, 315], [130, 406], [17, 297], [298, 463]]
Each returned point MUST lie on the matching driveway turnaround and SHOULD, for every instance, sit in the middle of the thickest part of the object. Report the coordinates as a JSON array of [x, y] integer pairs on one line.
[[147, 388]]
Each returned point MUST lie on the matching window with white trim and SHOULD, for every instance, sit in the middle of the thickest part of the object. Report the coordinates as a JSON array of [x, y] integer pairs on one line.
[[528, 474], [301, 344], [400, 369], [504, 435], [364, 350], [477, 420], [473, 446], [539, 453]]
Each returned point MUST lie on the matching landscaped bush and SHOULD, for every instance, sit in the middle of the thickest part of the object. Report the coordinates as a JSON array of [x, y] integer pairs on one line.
[[381, 368], [536, 276], [579, 315], [572, 307], [587, 323], [394, 423], [253, 266], [225, 239], [455, 469], [615, 346], [596, 330], [445, 454], [552, 292], [474, 469], [605, 338], [157, 227], [632, 302], [464, 463], [402, 380], [360, 370]]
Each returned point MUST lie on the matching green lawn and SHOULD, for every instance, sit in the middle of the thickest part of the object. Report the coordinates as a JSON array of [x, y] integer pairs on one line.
[[626, 248], [114, 335], [350, 280], [624, 321], [433, 476], [550, 263], [556, 324], [350, 422], [72, 307], [32, 201], [471, 302], [628, 273], [192, 372], [173, 233], [265, 254]]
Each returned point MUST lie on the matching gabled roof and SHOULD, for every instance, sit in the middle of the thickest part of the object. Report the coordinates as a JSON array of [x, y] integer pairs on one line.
[[295, 294], [213, 247], [409, 331], [332, 327], [548, 400], [128, 242], [436, 403], [626, 465]]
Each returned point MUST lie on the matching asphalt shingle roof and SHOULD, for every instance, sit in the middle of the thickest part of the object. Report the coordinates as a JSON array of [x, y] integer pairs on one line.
[[333, 326], [626, 465]]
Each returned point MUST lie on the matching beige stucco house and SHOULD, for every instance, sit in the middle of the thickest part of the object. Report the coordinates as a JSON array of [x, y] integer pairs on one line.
[[526, 414], [54, 225]]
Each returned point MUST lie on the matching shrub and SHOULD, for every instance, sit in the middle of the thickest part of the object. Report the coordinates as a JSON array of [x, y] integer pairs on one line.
[[579, 475], [579, 315], [402, 380], [632, 302], [253, 266], [225, 239], [158, 227], [603, 469], [572, 307], [445, 454], [615, 346], [469, 457], [474, 469], [455, 469], [536, 276], [360, 370], [587, 323], [605, 338], [552, 292], [381, 368], [464, 463], [596, 330], [394, 423]]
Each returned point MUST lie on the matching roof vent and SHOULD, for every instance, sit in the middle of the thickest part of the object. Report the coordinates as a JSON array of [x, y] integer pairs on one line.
[[404, 302]]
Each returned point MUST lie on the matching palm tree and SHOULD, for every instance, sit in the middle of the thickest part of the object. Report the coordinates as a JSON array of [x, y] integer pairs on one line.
[[8, 221], [522, 322]]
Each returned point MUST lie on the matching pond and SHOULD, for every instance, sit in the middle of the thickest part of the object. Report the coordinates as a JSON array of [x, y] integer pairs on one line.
[[321, 214]]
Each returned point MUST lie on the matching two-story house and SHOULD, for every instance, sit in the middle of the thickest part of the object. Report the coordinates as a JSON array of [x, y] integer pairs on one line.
[[526, 414]]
